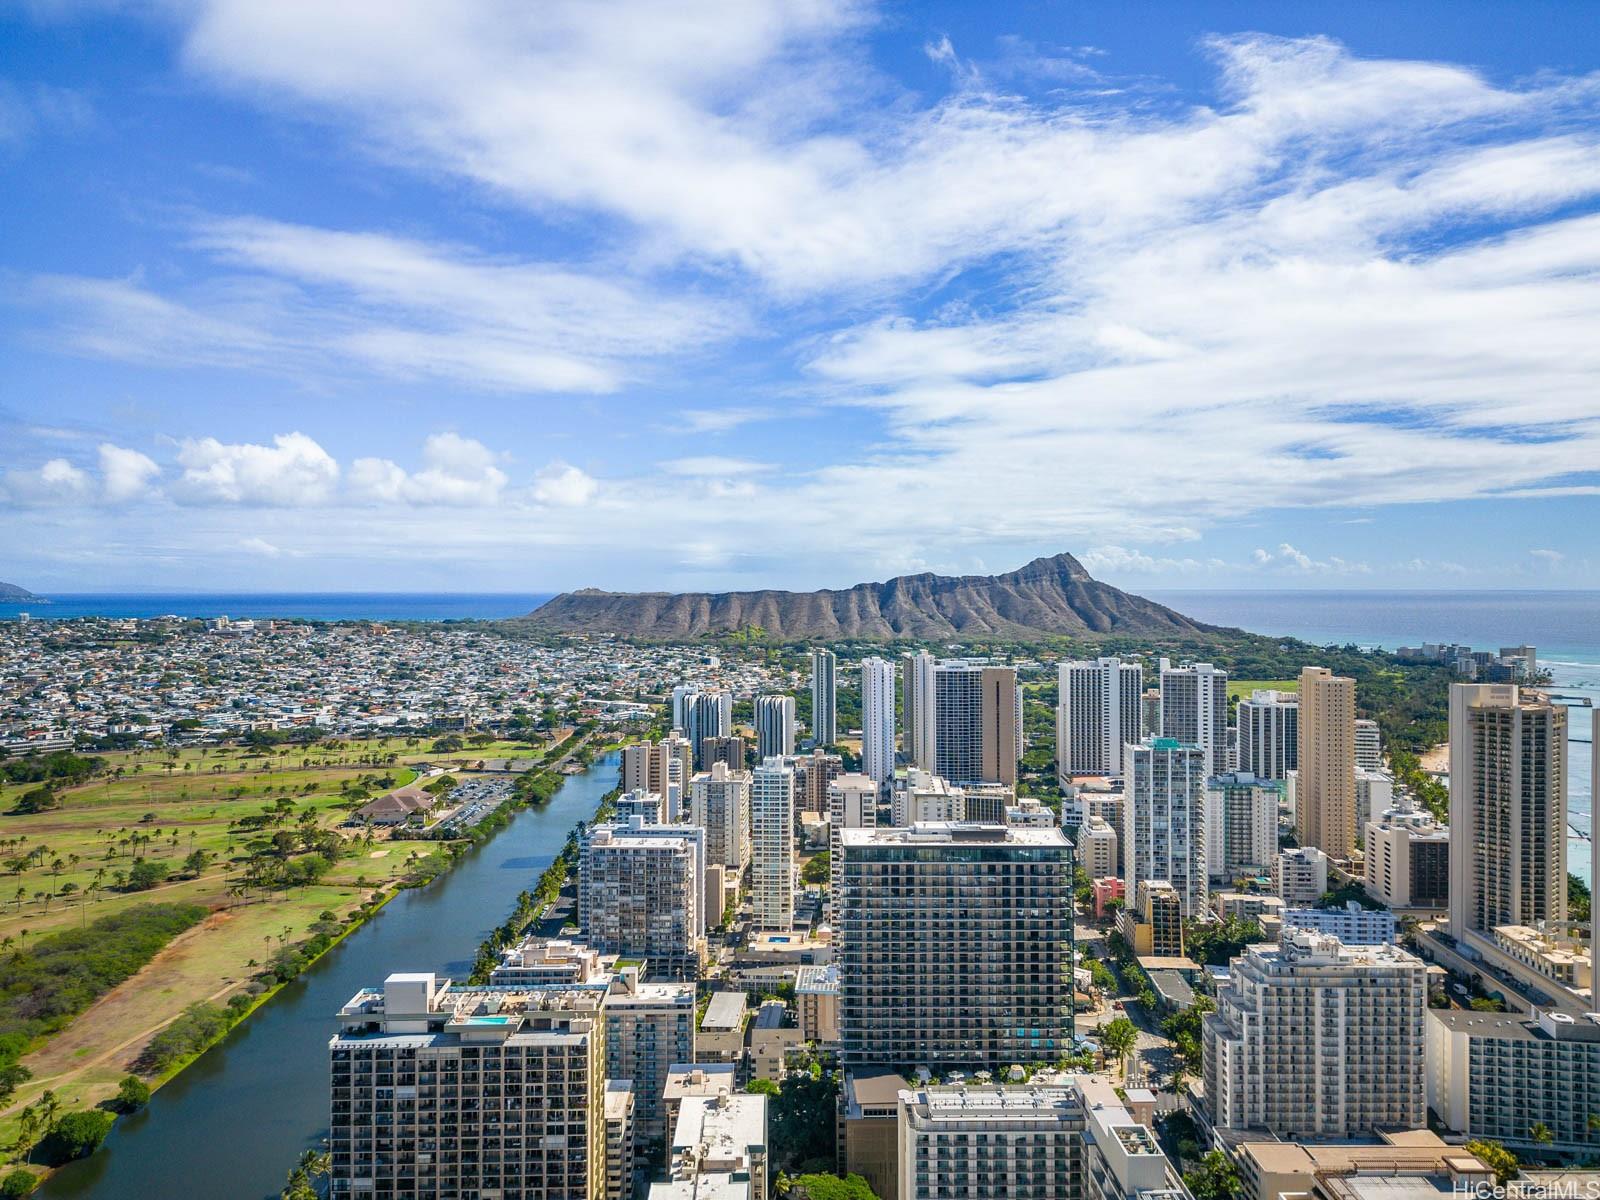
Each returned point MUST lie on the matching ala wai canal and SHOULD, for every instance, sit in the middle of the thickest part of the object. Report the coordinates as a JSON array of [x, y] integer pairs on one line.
[[232, 1125]]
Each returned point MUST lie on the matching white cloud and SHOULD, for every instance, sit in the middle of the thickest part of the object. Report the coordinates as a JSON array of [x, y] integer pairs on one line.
[[564, 486], [712, 465], [261, 547], [1288, 558], [1120, 560], [293, 471], [56, 482], [1550, 558], [125, 474], [720, 420]]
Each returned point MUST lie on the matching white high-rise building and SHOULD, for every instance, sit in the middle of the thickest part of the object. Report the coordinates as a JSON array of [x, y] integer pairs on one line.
[[1098, 711], [707, 715], [1369, 745], [852, 804], [1163, 819], [824, 697], [772, 863], [1269, 734], [1300, 876], [1314, 1039], [1508, 808], [918, 707], [1024, 1143], [1241, 824], [1407, 859], [1194, 710], [774, 726], [877, 720], [720, 804]]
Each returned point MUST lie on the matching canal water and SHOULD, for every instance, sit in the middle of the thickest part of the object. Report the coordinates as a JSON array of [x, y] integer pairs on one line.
[[232, 1125]]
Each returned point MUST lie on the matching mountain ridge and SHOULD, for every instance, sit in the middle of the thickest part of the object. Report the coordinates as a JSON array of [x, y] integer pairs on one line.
[[1050, 596], [11, 593]]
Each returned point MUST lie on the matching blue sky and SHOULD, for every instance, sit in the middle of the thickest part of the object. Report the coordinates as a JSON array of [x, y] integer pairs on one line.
[[497, 296]]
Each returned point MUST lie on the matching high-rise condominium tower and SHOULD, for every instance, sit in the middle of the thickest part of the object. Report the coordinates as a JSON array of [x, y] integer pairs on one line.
[[1508, 808], [1325, 793], [1315, 1039], [877, 720], [707, 715], [1269, 734], [1241, 824], [641, 892], [824, 698], [975, 723], [1163, 819], [772, 862], [421, 1078], [917, 707], [1097, 712], [852, 804], [720, 804], [774, 726], [954, 946], [1194, 710]]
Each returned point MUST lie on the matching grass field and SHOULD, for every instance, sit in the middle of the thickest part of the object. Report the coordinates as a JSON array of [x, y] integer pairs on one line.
[[69, 865], [1240, 689]]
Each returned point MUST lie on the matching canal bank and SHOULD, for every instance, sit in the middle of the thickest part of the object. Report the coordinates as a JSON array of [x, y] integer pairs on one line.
[[235, 1120]]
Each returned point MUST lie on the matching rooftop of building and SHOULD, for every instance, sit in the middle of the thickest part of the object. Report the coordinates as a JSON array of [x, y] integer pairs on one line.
[[1544, 1026], [823, 981], [724, 1012], [1408, 1149], [619, 1098], [874, 1085], [996, 1101], [926, 833], [698, 1079]]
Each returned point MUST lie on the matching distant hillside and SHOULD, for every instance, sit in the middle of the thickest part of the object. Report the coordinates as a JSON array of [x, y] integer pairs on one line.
[[1048, 596], [10, 593]]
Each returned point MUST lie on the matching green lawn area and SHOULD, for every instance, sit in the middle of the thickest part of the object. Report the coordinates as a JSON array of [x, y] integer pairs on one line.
[[1240, 689], [163, 806]]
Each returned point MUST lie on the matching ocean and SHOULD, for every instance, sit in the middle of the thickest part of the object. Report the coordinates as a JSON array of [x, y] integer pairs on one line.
[[1563, 626]]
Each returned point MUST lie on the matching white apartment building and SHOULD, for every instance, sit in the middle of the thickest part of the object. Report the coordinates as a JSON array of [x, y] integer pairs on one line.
[[647, 806], [824, 697], [719, 802], [922, 796], [649, 1026], [1352, 924], [1194, 710], [852, 804], [1300, 876], [1023, 1143], [468, 1091], [772, 858], [718, 1151], [1369, 745], [1096, 843], [619, 1138], [1497, 1075], [1314, 1039], [1163, 819], [774, 719], [1241, 824], [877, 720], [1269, 731], [1098, 711]]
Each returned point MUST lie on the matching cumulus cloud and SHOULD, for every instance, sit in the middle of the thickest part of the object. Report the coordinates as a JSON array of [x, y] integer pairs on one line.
[[456, 471], [293, 471], [125, 474], [1288, 558], [56, 482], [564, 486]]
